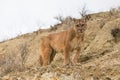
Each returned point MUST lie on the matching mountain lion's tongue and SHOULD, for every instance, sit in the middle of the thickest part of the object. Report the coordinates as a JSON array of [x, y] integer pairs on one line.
[[80, 30]]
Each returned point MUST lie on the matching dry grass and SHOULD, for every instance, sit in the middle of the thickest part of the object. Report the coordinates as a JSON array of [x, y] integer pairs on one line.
[[12, 62], [100, 61]]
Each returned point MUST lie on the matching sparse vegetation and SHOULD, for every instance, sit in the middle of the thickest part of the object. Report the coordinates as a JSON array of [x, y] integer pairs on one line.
[[53, 28], [24, 51], [114, 12], [83, 12], [12, 62], [99, 61], [59, 18]]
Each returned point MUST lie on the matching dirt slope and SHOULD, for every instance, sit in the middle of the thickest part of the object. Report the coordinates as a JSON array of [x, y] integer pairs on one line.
[[100, 60]]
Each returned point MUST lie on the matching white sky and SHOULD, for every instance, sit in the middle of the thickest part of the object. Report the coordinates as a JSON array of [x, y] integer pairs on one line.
[[23, 16]]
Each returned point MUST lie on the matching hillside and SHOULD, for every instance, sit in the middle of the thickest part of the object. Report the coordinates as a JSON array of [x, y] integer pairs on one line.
[[100, 60]]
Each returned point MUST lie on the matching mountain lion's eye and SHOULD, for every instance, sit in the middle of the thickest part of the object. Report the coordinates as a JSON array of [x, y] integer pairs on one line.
[[77, 25], [82, 24]]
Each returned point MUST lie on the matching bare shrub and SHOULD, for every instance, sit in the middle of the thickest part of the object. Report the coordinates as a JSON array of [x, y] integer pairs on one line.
[[68, 20], [23, 50], [118, 9], [83, 12], [114, 12], [59, 18], [13, 62], [53, 28]]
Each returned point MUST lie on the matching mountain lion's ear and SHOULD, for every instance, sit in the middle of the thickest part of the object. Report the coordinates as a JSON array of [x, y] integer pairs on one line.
[[87, 17]]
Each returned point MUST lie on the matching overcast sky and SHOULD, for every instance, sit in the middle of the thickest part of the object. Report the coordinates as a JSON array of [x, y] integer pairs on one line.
[[23, 16]]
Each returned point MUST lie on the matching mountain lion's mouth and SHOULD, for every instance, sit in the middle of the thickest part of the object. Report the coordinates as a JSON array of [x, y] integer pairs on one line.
[[80, 30]]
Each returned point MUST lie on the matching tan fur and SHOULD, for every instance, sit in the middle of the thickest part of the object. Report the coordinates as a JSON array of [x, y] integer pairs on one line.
[[65, 42]]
